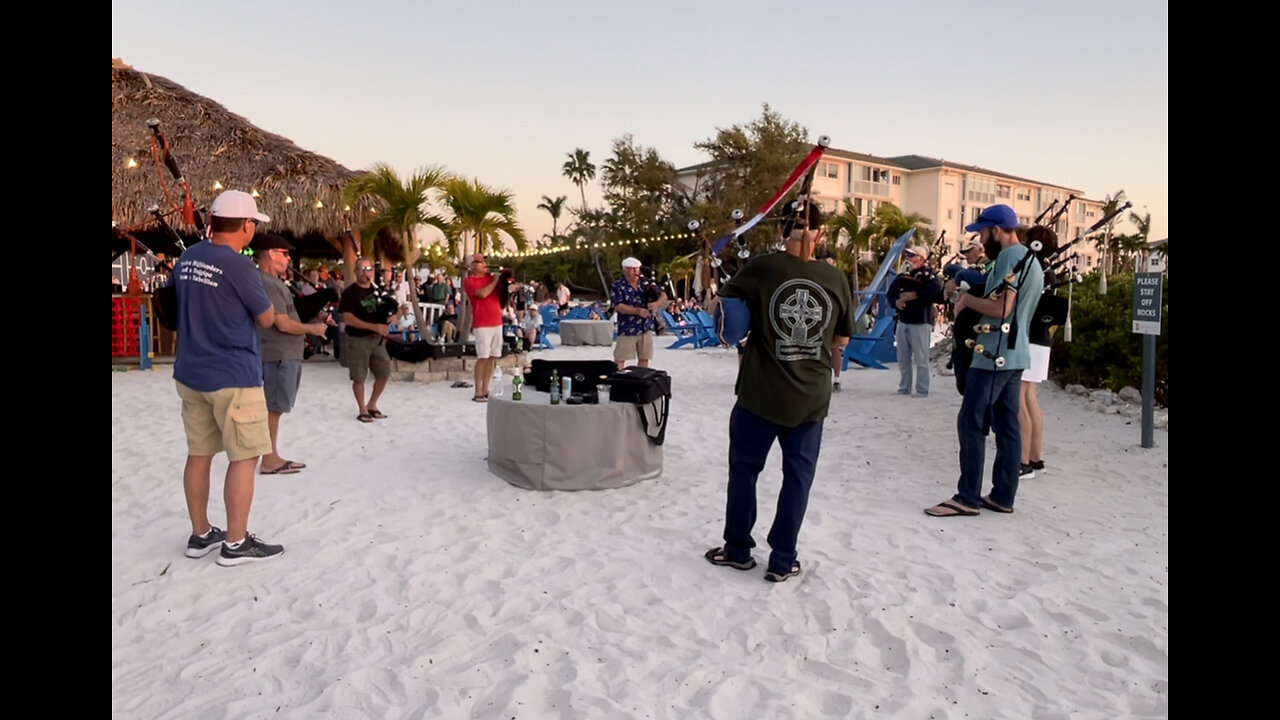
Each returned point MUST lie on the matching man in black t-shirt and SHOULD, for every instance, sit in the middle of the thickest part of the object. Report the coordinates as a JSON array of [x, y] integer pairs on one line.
[[365, 313], [801, 314]]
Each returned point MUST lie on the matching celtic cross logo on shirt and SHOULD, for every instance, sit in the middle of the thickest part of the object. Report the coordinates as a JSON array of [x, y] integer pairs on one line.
[[799, 312]]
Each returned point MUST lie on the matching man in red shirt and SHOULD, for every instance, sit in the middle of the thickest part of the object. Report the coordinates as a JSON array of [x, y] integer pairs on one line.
[[486, 327]]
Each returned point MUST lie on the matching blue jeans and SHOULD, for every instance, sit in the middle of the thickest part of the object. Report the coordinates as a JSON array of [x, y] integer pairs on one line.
[[750, 439], [913, 355], [991, 399]]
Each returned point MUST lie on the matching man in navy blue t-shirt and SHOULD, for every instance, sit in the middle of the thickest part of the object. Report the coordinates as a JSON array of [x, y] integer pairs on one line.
[[218, 373]]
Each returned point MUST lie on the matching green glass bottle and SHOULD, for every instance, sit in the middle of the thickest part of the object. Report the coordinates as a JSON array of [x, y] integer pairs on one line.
[[516, 395], [555, 387]]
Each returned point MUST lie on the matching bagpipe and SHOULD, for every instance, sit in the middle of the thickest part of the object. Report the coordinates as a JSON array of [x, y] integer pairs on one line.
[[916, 280], [1054, 309], [804, 171], [799, 214], [310, 306], [162, 153]]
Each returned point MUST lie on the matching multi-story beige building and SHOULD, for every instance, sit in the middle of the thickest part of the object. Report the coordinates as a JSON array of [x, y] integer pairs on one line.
[[949, 194]]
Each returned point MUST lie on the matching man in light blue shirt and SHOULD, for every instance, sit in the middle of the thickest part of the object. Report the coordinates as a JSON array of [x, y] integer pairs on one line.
[[1001, 353]]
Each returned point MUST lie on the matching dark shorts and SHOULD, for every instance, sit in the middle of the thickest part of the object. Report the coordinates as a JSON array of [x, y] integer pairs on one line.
[[365, 354], [280, 382]]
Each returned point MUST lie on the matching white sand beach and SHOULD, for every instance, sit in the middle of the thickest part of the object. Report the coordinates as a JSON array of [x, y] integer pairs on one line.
[[416, 584]]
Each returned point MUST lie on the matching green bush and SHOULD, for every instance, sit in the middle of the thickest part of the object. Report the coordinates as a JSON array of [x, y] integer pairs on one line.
[[1104, 352]]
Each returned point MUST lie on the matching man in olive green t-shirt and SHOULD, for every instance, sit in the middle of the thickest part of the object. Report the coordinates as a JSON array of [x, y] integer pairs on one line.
[[800, 315]]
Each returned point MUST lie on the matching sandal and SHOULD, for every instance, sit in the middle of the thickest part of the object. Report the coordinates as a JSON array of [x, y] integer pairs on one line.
[[718, 556], [480, 398], [990, 504], [772, 576], [951, 508], [365, 417], [376, 414]]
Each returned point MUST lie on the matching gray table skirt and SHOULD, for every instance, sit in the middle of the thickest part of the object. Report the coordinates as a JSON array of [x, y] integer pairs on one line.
[[586, 332], [539, 446]]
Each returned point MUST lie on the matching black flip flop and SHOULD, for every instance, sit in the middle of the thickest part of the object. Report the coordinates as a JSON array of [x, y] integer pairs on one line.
[[365, 418], [951, 508]]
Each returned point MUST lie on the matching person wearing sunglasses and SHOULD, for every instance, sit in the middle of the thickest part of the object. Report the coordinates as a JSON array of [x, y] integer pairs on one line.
[[283, 345], [367, 325]]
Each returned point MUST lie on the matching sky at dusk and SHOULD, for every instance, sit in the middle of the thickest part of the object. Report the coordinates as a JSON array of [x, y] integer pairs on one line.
[[1074, 94]]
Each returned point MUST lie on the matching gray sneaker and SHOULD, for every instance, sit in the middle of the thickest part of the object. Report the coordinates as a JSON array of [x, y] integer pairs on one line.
[[198, 547], [251, 550]]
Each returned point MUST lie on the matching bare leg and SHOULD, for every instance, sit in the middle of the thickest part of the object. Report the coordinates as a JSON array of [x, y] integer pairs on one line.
[[237, 493], [1024, 422], [379, 384], [357, 388], [1031, 401], [195, 485], [643, 363], [482, 377], [273, 460]]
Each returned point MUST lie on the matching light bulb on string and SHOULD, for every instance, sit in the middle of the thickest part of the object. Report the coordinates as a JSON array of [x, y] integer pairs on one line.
[[132, 163], [254, 193], [217, 184]]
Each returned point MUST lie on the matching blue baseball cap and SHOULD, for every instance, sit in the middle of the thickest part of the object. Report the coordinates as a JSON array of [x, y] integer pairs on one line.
[[1001, 216]]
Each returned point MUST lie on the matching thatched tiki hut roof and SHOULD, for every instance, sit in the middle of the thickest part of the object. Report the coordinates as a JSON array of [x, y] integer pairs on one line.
[[215, 148]]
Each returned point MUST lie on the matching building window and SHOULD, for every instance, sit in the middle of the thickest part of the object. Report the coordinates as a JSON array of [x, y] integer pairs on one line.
[[875, 175], [1024, 194], [1003, 191], [980, 190], [1024, 220], [828, 170], [948, 213], [897, 179]]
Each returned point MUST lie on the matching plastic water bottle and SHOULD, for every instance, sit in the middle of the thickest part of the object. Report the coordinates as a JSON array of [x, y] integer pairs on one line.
[[495, 384]]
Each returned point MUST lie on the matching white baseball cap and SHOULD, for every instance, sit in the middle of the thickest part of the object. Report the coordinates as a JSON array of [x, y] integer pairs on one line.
[[237, 204], [631, 263]]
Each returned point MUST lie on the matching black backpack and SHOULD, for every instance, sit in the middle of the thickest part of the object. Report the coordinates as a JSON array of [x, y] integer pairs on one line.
[[644, 387]]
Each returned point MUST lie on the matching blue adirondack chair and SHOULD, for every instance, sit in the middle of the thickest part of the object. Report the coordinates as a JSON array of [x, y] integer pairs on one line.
[[703, 318], [870, 349], [686, 333], [543, 342], [550, 320]]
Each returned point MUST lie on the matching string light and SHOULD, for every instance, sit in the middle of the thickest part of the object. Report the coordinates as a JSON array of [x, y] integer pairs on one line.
[[255, 194], [319, 204], [132, 163], [288, 199], [217, 185]]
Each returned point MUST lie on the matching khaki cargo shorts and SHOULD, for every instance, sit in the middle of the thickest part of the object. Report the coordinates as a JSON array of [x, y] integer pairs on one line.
[[633, 346], [233, 420]]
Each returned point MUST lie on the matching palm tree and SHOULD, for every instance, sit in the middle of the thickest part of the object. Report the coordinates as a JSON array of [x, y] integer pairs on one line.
[[483, 216], [554, 208], [888, 224], [402, 207], [579, 170], [1106, 244], [681, 268], [858, 238]]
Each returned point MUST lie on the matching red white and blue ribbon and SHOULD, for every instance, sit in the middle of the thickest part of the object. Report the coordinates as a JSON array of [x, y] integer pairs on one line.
[[805, 165]]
